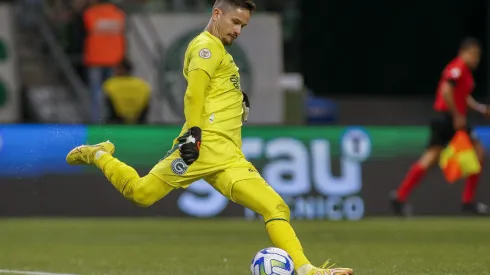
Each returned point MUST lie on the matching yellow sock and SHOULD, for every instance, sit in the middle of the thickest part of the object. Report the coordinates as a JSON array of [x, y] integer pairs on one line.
[[283, 236], [143, 191]]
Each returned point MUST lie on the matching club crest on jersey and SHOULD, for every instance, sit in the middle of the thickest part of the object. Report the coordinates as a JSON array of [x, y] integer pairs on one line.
[[205, 53], [179, 167]]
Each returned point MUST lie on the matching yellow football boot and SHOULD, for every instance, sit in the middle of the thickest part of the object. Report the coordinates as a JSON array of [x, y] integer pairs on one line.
[[329, 269], [85, 154]]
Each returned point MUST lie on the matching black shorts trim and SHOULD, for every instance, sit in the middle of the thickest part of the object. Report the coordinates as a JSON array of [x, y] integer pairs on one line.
[[442, 129]]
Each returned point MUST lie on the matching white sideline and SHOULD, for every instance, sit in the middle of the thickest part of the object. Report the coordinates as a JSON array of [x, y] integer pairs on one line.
[[8, 271]]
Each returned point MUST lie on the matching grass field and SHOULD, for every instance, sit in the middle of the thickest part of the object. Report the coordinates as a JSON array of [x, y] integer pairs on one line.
[[225, 247]]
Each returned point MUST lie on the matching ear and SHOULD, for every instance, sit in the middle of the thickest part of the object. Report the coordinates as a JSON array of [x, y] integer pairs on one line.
[[216, 14]]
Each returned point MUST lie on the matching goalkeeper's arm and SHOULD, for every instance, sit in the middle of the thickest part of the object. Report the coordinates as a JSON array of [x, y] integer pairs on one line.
[[198, 81]]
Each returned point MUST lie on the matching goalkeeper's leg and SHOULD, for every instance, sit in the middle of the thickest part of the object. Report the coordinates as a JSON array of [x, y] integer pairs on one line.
[[257, 195], [143, 191]]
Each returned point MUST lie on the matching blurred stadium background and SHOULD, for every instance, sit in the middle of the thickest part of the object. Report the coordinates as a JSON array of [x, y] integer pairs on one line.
[[340, 94]]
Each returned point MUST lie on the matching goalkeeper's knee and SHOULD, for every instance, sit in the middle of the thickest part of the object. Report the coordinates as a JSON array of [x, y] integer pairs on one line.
[[278, 210], [148, 190], [141, 194]]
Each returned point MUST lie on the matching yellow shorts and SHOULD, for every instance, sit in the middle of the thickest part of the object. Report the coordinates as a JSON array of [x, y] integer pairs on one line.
[[221, 163]]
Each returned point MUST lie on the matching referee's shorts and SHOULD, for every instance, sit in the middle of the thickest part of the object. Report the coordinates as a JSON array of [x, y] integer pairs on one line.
[[442, 129]]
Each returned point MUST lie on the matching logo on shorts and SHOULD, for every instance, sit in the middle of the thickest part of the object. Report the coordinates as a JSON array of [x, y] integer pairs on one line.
[[179, 167], [205, 53]]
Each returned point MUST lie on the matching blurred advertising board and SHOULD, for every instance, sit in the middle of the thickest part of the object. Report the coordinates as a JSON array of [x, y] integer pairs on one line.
[[333, 173], [9, 83]]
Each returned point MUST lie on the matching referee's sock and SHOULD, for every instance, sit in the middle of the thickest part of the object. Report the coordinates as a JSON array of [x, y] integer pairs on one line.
[[470, 188], [411, 180]]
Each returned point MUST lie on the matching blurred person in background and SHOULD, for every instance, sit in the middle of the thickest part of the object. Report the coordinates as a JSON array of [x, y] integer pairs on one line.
[[127, 96], [453, 98], [104, 47], [75, 36]]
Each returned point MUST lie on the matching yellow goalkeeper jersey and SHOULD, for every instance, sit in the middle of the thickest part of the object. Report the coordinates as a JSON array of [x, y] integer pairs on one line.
[[222, 112]]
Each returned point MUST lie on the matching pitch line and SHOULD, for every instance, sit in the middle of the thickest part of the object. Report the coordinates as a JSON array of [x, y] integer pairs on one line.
[[23, 272]]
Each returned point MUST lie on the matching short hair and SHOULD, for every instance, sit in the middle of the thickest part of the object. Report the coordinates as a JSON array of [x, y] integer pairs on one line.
[[469, 42], [244, 4]]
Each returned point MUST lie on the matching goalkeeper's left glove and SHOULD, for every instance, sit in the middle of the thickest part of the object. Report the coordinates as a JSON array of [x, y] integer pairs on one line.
[[245, 106]]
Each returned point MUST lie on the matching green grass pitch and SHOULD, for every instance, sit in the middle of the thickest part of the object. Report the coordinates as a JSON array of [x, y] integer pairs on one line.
[[163, 246]]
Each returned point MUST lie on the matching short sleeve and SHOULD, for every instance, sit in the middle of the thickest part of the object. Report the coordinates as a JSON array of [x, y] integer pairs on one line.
[[145, 88], [107, 87], [206, 56], [453, 74]]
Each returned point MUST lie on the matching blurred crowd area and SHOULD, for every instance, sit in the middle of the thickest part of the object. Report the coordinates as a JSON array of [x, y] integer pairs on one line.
[[67, 14], [102, 61]]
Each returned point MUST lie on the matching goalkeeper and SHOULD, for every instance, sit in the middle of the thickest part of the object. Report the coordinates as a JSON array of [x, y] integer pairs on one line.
[[209, 145]]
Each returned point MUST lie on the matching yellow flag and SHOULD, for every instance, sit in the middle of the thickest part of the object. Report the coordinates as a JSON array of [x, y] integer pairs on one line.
[[459, 160]]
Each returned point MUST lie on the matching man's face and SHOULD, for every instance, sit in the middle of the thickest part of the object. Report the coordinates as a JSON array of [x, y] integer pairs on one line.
[[230, 23], [473, 56]]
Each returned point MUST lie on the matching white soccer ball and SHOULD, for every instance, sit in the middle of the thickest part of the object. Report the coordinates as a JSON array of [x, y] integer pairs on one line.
[[272, 261]]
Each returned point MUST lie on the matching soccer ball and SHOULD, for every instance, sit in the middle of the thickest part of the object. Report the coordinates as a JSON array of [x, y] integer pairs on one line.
[[272, 261]]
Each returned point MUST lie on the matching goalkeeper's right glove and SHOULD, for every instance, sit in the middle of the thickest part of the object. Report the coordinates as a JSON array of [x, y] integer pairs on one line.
[[190, 144], [245, 107]]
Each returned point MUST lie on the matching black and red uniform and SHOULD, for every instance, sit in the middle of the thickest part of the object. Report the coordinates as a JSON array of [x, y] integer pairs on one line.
[[460, 77]]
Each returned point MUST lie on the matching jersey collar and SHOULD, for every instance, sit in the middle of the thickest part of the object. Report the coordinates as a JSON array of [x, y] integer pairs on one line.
[[214, 38]]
